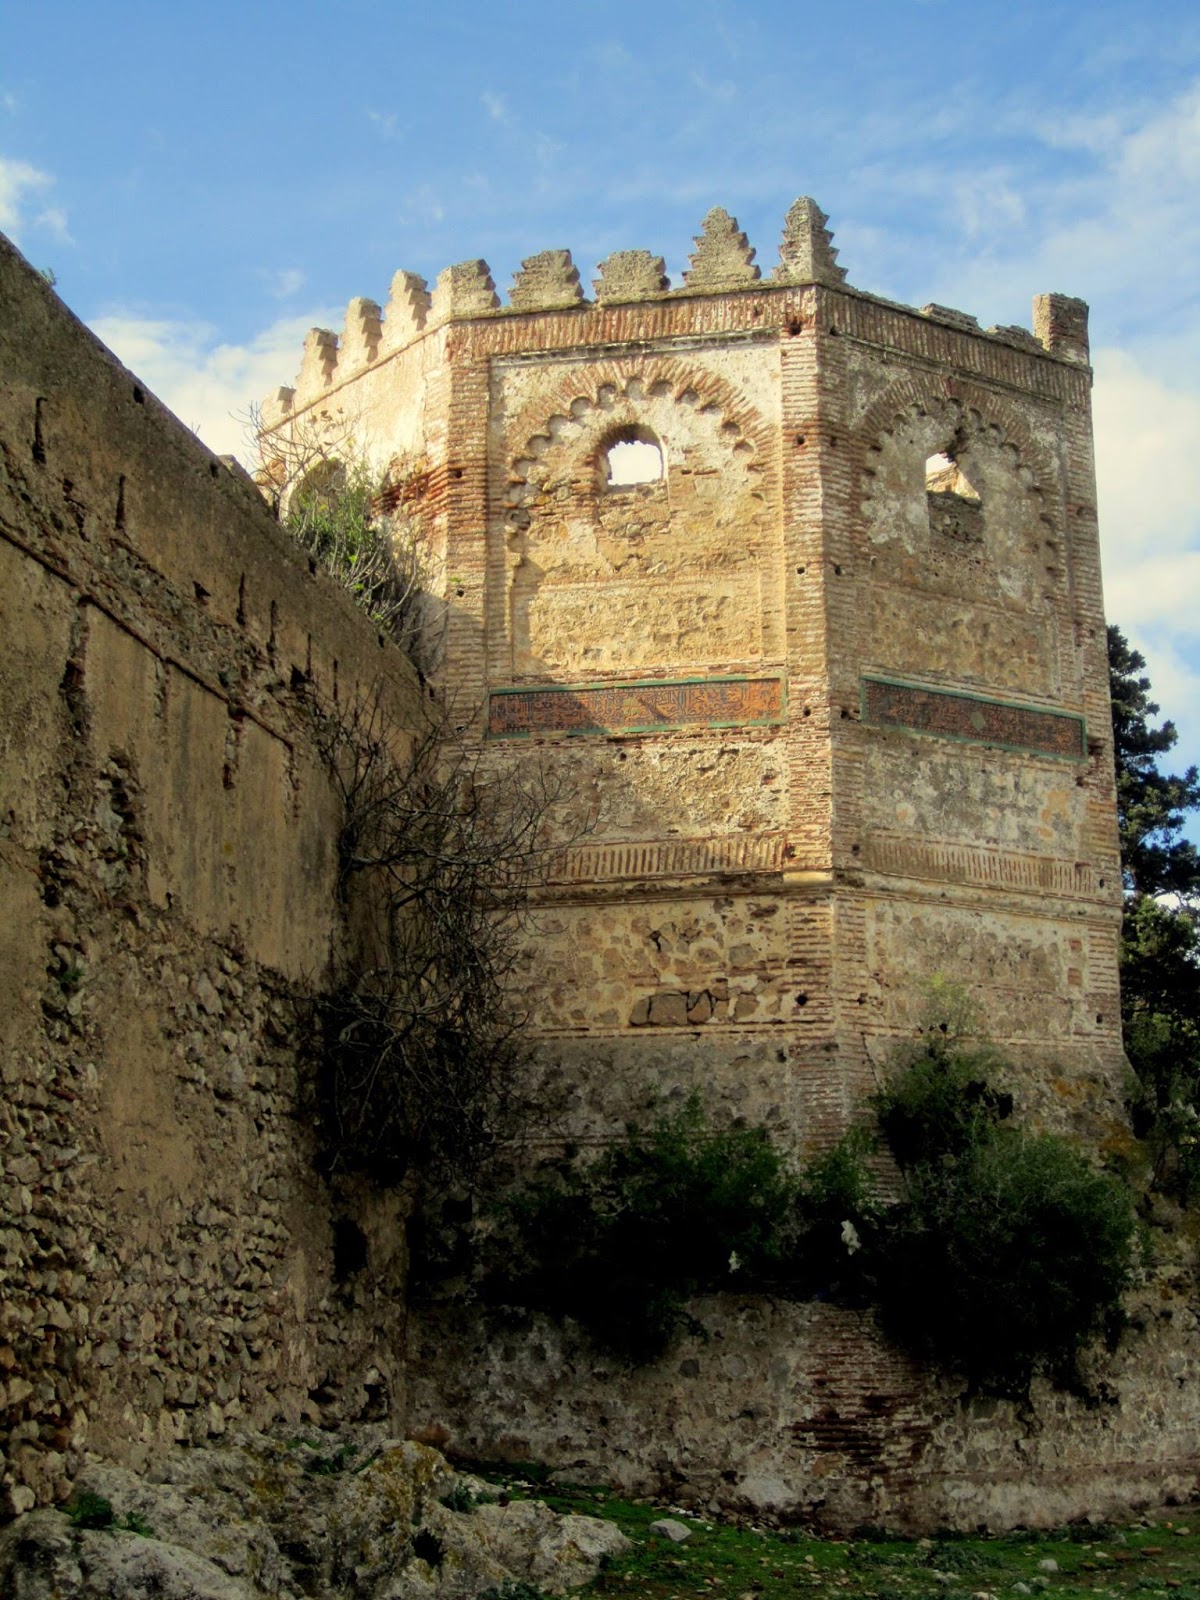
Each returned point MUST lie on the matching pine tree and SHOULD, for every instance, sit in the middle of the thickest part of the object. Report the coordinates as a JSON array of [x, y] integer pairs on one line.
[[1151, 805], [1160, 940]]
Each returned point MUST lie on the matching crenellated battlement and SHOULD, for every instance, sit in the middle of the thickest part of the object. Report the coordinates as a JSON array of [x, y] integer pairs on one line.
[[721, 263]]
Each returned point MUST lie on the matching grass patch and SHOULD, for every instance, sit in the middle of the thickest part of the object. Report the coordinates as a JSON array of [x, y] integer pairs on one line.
[[739, 1562]]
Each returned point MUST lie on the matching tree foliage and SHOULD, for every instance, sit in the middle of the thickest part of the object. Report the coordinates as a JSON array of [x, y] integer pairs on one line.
[[1010, 1252], [1152, 806], [1160, 944]]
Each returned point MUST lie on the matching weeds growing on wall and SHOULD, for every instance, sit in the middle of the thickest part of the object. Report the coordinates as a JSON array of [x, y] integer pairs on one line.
[[353, 520], [1010, 1252], [423, 1035], [623, 1241], [336, 513], [1006, 1257]]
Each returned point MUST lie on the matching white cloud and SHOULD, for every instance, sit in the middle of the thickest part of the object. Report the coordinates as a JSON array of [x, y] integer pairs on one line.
[[19, 183], [1148, 480], [1122, 228], [283, 282], [1147, 460], [720, 90], [10, 102], [495, 106], [54, 220], [386, 123], [423, 205], [205, 383], [1175, 687]]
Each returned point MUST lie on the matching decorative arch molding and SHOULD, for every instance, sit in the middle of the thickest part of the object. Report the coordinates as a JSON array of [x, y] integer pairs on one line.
[[620, 386], [981, 410], [554, 531]]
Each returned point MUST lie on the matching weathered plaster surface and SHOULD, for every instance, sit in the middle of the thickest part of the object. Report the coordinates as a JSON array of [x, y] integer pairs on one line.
[[168, 863]]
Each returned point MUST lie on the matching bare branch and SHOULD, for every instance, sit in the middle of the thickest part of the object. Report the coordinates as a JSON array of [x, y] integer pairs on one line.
[[424, 1039]]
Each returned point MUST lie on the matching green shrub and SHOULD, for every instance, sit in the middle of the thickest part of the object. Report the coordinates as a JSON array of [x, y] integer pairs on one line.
[[1010, 1252], [463, 1498], [834, 1223], [941, 1104], [622, 1242], [1007, 1255], [91, 1511]]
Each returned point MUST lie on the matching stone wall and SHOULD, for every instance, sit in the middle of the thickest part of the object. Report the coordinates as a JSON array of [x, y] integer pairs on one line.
[[806, 1413], [168, 874]]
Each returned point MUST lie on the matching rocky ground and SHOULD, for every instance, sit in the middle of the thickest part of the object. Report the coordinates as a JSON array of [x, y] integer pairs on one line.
[[363, 1517]]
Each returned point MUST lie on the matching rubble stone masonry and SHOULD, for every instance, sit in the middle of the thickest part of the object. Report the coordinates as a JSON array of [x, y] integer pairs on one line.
[[168, 862]]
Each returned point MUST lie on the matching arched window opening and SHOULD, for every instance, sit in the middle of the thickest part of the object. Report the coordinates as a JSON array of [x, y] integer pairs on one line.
[[633, 459], [955, 506]]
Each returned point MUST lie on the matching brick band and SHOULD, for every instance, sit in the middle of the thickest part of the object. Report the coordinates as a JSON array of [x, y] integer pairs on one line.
[[981, 721], [647, 707]]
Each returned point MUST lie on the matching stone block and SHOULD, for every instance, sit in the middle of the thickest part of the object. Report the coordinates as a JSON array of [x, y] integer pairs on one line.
[[722, 259], [806, 253], [464, 290]]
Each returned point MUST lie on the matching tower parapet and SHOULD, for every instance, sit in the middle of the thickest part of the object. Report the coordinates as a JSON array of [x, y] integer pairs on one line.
[[722, 263]]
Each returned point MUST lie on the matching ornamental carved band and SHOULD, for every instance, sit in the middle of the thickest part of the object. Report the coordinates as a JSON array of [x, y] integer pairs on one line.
[[648, 707], [964, 716]]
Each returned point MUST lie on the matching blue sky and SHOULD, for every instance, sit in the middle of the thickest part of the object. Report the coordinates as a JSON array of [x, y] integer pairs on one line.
[[208, 182]]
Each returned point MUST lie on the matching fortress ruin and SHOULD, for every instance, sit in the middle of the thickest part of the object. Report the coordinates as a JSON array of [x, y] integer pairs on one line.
[[800, 589], [832, 676]]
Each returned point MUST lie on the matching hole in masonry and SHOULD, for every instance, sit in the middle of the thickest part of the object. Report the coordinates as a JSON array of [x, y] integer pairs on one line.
[[944, 475], [349, 1249], [634, 458]]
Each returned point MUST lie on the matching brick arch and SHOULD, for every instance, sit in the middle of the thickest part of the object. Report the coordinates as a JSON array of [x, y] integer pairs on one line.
[[682, 379], [909, 397]]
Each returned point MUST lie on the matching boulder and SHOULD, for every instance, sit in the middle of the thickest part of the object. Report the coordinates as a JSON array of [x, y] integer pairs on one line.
[[357, 1517]]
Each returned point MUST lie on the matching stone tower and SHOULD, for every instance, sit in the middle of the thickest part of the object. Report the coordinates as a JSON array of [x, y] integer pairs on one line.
[[832, 675], [803, 587]]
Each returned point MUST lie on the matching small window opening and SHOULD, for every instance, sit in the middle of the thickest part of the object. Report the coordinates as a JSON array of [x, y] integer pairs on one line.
[[955, 507], [632, 461], [943, 475]]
